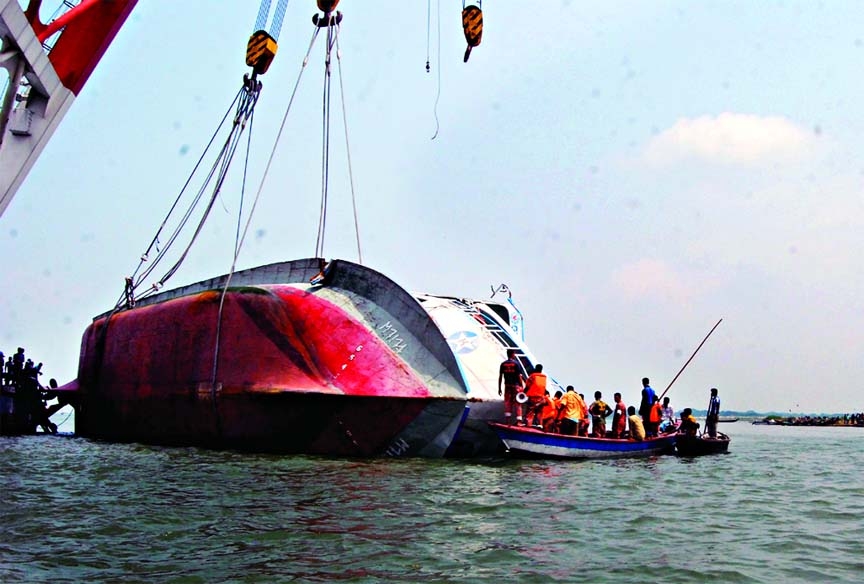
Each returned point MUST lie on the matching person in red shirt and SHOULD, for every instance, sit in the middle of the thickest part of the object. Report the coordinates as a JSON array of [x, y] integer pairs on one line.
[[535, 389], [619, 418]]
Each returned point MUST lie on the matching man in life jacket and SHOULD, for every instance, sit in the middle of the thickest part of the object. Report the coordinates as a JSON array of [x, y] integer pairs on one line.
[[571, 410], [654, 417], [510, 374], [549, 413], [535, 389]]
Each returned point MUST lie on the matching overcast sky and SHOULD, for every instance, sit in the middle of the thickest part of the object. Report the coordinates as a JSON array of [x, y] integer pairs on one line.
[[633, 171]]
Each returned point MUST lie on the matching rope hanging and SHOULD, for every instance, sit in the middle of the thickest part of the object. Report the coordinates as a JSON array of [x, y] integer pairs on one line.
[[331, 20], [348, 153], [244, 106]]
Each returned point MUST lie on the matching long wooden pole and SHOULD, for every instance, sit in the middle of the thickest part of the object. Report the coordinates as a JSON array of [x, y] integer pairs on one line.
[[691, 358]]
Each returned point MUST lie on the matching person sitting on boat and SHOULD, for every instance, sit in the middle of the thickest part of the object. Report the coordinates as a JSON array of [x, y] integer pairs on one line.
[[510, 373], [637, 429], [619, 419], [549, 413], [689, 425], [535, 389], [713, 414], [667, 417], [571, 410], [668, 412], [599, 410]]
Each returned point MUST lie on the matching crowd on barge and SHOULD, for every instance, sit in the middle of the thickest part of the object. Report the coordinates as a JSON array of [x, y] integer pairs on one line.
[[23, 395], [528, 402]]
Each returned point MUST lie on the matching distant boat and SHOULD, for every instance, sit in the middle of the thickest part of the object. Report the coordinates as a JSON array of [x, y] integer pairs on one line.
[[698, 445], [727, 420], [536, 443]]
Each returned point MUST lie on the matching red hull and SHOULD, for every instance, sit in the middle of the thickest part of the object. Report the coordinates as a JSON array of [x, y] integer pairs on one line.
[[294, 372], [284, 423]]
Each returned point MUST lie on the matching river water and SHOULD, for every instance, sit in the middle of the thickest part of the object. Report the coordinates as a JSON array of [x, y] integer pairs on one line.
[[785, 505]]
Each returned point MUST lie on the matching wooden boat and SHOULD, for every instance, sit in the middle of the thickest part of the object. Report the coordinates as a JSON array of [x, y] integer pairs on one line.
[[699, 445], [536, 443], [723, 420]]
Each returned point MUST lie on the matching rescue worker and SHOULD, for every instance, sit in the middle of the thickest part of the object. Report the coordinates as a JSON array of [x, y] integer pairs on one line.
[[510, 374], [571, 410], [549, 413], [535, 389]]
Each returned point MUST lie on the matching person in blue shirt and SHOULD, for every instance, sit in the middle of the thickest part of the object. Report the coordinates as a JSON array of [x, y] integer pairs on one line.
[[713, 414], [645, 406]]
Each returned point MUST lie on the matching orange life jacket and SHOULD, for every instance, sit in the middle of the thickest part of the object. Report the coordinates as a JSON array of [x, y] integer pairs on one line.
[[536, 385], [656, 413], [550, 409]]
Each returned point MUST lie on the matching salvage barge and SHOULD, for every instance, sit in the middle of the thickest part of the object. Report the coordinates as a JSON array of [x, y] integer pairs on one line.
[[340, 361]]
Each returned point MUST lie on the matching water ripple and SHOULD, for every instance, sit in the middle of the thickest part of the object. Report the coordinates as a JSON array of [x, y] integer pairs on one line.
[[784, 505]]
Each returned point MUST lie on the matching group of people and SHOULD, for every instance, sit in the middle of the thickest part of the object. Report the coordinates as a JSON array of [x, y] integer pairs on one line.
[[527, 402], [17, 370], [19, 383]]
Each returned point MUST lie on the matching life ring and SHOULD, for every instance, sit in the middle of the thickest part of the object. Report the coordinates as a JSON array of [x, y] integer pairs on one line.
[[521, 398]]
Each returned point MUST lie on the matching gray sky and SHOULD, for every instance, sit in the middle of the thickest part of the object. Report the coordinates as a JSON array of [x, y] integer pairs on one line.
[[633, 171]]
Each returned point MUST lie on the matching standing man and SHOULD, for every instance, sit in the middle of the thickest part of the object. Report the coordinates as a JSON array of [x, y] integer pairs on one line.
[[510, 373], [713, 414], [619, 418], [645, 406], [599, 410], [18, 366], [572, 410], [535, 389]]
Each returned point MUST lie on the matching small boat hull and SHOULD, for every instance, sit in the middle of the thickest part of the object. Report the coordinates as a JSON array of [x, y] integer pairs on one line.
[[536, 443], [701, 445]]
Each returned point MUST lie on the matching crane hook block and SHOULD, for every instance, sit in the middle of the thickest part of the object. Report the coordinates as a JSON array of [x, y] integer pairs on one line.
[[260, 51], [325, 20], [472, 24]]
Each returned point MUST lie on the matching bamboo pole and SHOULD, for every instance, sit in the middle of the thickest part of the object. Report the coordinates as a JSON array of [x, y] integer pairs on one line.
[[691, 358]]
